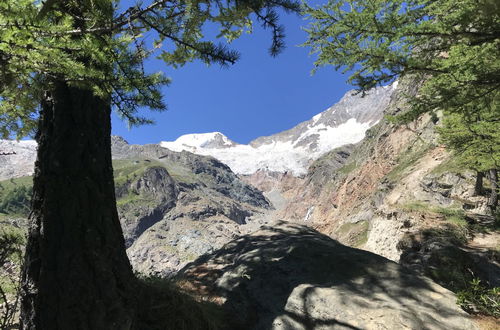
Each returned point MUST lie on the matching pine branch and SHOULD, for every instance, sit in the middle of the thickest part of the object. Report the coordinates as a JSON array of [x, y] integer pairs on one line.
[[216, 54]]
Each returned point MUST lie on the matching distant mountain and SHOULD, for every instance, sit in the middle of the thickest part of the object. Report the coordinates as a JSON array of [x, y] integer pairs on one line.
[[20, 162], [289, 151], [173, 206], [293, 150]]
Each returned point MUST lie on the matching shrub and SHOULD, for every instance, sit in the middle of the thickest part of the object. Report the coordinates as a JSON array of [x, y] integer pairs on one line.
[[17, 201], [477, 298], [12, 243]]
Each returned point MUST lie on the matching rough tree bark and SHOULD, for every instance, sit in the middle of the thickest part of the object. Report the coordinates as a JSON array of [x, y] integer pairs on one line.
[[478, 186], [493, 200], [77, 274]]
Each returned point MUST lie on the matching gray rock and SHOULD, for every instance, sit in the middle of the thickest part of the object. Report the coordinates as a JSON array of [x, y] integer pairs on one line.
[[291, 277]]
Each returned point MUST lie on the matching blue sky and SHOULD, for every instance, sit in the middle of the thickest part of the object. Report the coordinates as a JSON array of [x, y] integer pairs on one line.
[[257, 96]]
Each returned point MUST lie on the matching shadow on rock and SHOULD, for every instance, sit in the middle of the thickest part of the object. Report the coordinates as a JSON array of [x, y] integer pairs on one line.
[[289, 276], [443, 254]]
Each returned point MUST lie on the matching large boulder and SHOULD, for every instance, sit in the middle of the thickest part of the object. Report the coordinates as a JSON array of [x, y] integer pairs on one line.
[[289, 276]]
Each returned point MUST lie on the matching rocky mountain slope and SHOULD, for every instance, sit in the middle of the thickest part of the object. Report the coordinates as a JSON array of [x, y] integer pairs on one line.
[[176, 206], [289, 151], [400, 194], [293, 150], [173, 206]]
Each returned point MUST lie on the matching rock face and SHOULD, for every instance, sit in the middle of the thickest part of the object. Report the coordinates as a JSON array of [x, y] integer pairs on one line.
[[289, 276], [175, 206], [399, 194], [20, 162], [158, 193]]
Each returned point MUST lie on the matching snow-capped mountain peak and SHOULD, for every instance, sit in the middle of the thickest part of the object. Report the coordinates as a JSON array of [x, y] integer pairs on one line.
[[194, 142], [289, 151], [293, 150]]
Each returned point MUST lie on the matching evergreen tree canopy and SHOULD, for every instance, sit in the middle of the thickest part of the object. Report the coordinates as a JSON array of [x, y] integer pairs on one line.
[[474, 137], [91, 44], [453, 45]]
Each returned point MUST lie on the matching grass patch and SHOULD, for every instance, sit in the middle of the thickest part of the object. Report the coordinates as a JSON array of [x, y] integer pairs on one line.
[[415, 206], [348, 168], [456, 228], [450, 165], [126, 170], [362, 238], [10, 184], [452, 215], [130, 198], [405, 161], [357, 233]]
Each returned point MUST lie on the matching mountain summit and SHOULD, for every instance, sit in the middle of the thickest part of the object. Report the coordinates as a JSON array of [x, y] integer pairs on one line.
[[292, 150], [193, 142]]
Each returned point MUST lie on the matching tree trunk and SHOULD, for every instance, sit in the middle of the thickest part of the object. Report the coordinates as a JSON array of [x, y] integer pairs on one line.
[[478, 187], [76, 274], [493, 201]]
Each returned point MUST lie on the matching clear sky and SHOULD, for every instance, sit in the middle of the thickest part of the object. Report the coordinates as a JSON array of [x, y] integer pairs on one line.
[[257, 96]]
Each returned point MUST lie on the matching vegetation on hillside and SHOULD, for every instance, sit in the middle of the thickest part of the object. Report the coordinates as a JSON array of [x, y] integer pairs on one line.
[[453, 47], [12, 241], [15, 196]]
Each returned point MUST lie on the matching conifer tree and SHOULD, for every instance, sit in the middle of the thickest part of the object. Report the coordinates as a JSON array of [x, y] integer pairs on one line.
[[474, 136], [64, 64], [452, 46]]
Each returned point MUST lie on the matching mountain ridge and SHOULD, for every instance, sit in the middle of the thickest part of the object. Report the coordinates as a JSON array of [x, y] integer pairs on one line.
[[294, 149], [289, 151]]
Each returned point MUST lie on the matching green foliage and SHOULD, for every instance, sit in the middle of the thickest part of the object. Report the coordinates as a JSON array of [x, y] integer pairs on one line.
[[15, 196], [382, 39], [453, 47], [477, 298], [90, 44], [17, 201], [348, 168], [12, 241], [474, 136]]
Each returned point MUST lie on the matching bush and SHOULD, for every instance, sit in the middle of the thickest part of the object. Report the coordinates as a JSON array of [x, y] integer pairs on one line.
[[17, 201], [12, 243], [477, 298]]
